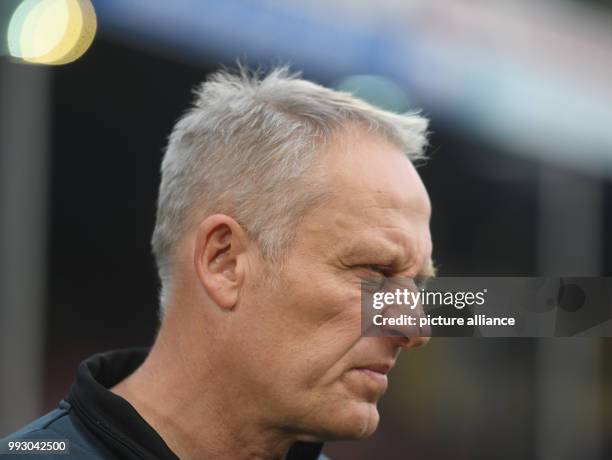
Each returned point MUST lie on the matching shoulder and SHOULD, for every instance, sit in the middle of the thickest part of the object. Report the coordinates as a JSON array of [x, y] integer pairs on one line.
[[57, 425]]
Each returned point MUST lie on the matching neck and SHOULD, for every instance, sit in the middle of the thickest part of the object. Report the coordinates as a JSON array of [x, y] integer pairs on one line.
[[199, 412]]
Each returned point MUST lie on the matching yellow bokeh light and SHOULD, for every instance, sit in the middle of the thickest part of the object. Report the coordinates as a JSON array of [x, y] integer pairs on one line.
[[16, 26], [43, 28], [51, 31]]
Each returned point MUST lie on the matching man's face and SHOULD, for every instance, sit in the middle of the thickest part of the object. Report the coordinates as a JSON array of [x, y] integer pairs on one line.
[[304, 356]]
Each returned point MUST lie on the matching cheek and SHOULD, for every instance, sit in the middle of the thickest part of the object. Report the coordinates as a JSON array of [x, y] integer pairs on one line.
[[308, 322], [323, 298], [324, 348]]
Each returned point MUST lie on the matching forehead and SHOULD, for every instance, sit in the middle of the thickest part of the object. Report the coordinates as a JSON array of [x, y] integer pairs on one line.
[[369, 164], [377, 199]]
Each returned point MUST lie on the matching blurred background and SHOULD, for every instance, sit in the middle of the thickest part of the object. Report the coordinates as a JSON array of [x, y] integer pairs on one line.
[[520, 176]]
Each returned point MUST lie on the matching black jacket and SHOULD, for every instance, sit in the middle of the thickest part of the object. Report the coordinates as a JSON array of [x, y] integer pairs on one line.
[[101, 425]]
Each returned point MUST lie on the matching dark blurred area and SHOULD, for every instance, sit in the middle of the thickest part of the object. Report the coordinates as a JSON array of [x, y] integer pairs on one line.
[[519, 176]]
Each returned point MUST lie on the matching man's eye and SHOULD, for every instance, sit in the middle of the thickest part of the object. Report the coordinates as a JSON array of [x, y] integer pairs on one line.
[[376, 276], [379, 269]]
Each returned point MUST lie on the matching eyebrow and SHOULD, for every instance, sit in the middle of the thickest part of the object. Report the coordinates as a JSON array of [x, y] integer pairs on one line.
[[365, 249]]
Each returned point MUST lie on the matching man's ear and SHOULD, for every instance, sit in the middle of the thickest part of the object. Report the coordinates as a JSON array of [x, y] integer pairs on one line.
[[220, 258]]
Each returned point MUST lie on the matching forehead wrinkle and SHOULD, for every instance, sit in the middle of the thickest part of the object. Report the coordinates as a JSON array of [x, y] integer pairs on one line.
[[392, 231], [383, 205]]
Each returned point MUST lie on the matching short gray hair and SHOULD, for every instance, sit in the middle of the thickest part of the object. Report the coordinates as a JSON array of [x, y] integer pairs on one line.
[[245, 149]]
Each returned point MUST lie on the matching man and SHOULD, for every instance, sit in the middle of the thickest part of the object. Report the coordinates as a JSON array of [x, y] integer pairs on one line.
[[278, 197]]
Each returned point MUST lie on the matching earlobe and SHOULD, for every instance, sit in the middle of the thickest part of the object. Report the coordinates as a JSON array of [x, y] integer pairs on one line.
[[218, 246]]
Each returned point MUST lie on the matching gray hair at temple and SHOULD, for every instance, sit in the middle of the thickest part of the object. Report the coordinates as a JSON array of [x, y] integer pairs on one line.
[[246, 148]]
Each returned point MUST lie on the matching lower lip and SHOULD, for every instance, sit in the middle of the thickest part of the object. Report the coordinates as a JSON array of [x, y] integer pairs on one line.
[[380, 379]]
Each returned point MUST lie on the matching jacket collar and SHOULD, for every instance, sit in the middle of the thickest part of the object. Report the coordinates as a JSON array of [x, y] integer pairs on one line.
[[115, 421]]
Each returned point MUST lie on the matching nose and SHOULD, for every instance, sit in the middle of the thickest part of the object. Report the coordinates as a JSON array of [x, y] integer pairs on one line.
[[411, 335], [400, 318], [409, 342]]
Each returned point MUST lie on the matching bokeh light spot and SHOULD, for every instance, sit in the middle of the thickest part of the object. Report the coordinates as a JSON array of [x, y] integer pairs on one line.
[[51, 31], [377, 90]]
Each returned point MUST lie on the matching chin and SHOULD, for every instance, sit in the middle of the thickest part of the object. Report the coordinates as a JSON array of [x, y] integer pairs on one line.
[[355, 420]]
